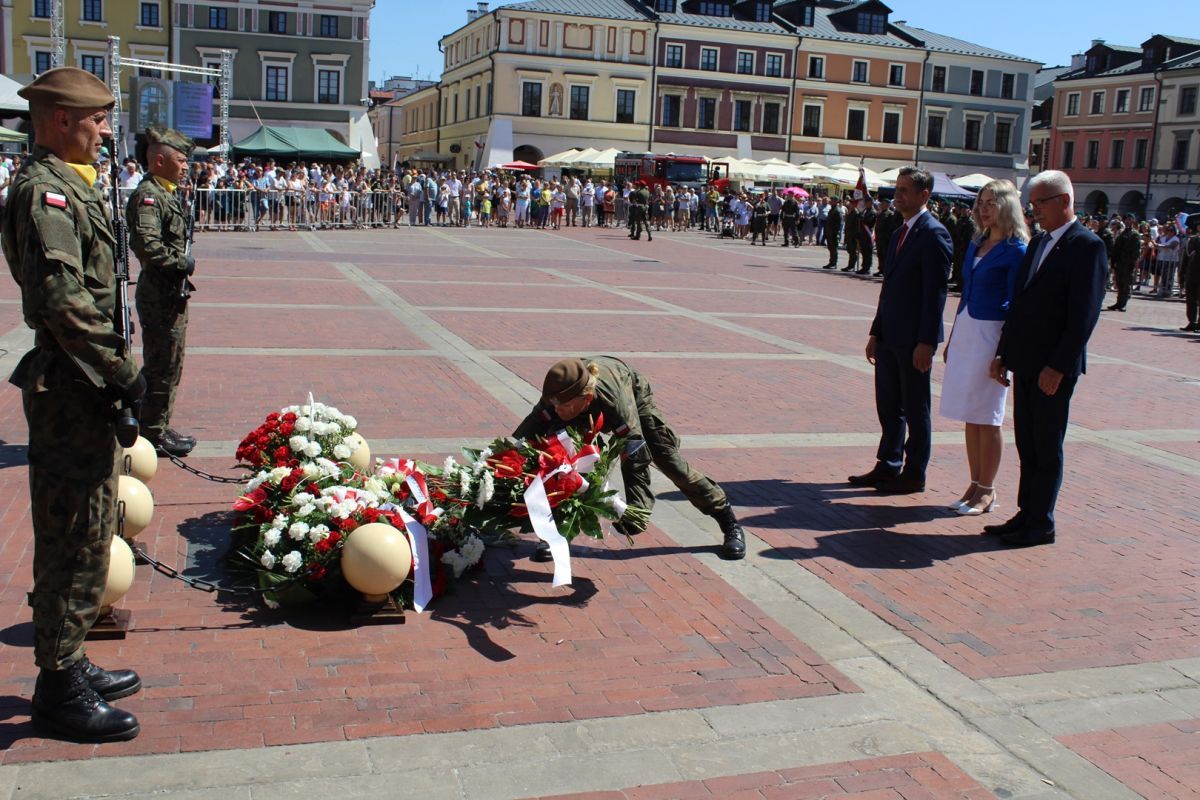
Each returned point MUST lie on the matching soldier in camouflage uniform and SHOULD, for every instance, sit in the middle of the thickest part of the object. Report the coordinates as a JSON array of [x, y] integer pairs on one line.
[[577, 390], [158, 236], [639, 212], [1126, 248], [59, 244]]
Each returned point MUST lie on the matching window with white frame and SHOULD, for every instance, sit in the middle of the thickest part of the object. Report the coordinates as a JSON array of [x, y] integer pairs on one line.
[[276, 22], [891, 127], [774, 65], [626, 103], [41, 9], [580, 96], [1121, 101], [531, 99], [816, 67], [218, 19], [93, 64], [329, 86], [935, 130], [972, 133], [706, 113], [1146, 99], [328, 26], [745, 62], [896, 75], [674, 56], [672, 104], [1097, 103], [42, 61], [151, 15], [810, 124], [1072, 109], [708, 59], [93, 11], [859, 73], [1003, 136], [276, 82], [742, 115], [856, 124]]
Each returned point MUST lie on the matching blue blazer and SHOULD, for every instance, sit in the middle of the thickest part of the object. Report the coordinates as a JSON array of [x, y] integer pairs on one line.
[[988, 286], [913, 297], [1050, 321]]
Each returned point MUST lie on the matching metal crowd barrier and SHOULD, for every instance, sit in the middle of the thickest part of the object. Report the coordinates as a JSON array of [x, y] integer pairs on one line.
[[254, 209]]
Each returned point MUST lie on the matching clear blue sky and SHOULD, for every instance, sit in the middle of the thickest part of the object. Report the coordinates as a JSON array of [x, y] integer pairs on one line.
[[405, 33]]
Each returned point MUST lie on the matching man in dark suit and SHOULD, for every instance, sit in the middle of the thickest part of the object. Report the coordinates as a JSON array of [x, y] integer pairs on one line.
[[904, 335], [1055, 306]]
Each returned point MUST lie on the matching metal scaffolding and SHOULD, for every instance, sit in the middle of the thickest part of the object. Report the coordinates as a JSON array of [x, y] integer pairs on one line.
[[58, 37], [223, 76]]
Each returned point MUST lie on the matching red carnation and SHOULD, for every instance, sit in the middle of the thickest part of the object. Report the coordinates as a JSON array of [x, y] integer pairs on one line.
[[509, 464]]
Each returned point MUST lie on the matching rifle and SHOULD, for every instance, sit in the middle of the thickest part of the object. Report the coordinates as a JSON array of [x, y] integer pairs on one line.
[[127, 424], [189, 199]]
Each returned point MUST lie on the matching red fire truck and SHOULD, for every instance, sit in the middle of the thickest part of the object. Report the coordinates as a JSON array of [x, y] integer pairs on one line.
[[664, 170]]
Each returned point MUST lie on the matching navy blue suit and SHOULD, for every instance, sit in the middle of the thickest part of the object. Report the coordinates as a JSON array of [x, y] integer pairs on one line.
[[911, 304], [1048, 325]]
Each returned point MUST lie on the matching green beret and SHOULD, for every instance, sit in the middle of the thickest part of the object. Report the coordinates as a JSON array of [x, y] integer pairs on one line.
[[171, 138], [69, 87]]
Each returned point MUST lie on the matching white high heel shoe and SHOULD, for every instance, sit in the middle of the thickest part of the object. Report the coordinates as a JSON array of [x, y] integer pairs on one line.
[[968, 510], [958, 504]]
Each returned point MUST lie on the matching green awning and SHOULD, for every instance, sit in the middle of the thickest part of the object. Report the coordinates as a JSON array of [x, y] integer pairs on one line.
[[306, 143], [7, 135]]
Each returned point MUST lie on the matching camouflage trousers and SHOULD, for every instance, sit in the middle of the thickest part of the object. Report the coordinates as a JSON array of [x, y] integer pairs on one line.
[[73, 505], [164, 335], [663, 443]]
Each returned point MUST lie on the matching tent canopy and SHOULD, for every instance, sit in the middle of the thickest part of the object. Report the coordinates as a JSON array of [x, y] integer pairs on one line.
[[944, 187], [605, 159], [976, 180], [7, 135], [9, 101], [309, 143], [567, 157]]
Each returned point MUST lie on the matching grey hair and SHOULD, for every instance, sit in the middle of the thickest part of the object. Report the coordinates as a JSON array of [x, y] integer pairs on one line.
[[1009, 217], [1055, 181]]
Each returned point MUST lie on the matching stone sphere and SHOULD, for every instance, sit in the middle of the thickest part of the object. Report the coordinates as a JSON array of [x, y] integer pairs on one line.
[[140, 461], [376, 559], [135, 503], [360, 459], [120, 572]]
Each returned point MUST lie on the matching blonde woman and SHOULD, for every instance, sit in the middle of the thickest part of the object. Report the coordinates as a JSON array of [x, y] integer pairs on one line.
[[990, 269]]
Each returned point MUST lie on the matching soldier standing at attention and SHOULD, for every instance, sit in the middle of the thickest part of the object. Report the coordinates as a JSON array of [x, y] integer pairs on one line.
[[577, 390], [639, 213], [158, 236], [852, 225], [833, 230], [1126, 249], [59, 243]]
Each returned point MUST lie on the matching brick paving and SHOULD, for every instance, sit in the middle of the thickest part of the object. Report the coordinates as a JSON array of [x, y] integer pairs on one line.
[[1160, 761], [741, 345], [917, 776]]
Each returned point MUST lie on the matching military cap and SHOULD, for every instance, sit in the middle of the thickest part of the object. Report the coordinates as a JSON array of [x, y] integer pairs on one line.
[[171, 138], [70, 87], [566, 380]]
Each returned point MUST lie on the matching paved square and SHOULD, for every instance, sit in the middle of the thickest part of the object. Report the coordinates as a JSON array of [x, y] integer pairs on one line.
[[858, 626]]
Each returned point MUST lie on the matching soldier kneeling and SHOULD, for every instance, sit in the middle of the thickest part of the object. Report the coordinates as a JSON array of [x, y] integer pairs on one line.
[[577, 390]]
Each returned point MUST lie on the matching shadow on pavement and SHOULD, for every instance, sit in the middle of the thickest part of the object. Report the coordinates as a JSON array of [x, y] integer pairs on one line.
[[13, 455]]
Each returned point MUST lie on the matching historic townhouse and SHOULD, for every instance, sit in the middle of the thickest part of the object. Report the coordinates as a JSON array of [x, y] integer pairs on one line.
[[825, 80], [534, 78], [1176, 155], [1105, 115], [418, 114], [298, 64], [723, 78], [141, 24]]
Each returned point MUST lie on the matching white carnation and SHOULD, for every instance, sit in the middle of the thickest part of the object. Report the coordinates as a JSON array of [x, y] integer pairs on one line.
[[292, 561], [257, 481], [449, 464], [300, 498], [298, 530], [279, 473], [375, 486], [350, 422], [303, 424], [289, 410], [487, 488], [318, 533], [312, 449], [280, 522], [328, 468], [297, 443], [481, 463], [341, 451], [464, 483], [305, 510], [268, 560], [271, 537]]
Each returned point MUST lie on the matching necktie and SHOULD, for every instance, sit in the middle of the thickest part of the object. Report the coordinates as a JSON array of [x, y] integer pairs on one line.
[[1043, 245], [900, 241]]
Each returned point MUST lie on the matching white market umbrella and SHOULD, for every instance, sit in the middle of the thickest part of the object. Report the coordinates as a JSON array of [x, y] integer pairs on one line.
[[604, 159], [976, 180], [780, 171], [566, 157]]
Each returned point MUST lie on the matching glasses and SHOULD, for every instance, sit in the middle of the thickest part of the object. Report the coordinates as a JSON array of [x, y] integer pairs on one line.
[[1038, 203]]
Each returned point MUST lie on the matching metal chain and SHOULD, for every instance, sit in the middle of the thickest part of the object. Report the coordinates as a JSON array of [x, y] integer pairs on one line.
[[209, 586], [179, 462]]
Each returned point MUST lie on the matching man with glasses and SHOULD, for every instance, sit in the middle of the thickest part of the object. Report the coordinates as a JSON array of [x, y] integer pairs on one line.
[[1055, 306]]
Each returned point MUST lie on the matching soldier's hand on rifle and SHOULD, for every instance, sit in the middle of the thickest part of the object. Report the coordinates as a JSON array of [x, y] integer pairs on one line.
[[133, 394], [189, 265]]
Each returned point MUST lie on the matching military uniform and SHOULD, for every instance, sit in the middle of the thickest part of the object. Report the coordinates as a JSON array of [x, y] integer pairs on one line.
[[1191, 287], [790, 214], [866, 237], [60, 246], [758, 221], [889, 221], [1126, 249], [639, 214], [158, 236], [833, 229], [625, 399], [852, 215]]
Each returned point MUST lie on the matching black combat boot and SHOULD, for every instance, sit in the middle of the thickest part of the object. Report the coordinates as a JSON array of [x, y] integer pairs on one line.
[[111, 684], [65, 706], [542, 553], [735, 537], [185, 440], [167, 445]]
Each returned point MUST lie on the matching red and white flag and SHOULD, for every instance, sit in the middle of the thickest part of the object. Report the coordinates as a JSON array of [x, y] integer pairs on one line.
[[861, 195]]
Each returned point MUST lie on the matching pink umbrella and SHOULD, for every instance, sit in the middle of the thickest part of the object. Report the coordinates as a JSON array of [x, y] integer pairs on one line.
[[796, 191]]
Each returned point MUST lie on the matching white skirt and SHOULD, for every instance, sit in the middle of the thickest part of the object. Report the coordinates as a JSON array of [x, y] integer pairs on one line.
[[968, 393]]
